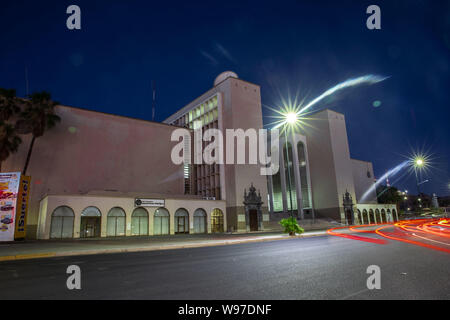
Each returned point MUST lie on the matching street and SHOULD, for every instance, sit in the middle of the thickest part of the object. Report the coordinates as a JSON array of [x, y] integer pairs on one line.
[[323, 267]]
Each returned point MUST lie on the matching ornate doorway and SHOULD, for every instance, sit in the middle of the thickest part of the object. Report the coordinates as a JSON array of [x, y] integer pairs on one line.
[[348, 208], [253, 214]]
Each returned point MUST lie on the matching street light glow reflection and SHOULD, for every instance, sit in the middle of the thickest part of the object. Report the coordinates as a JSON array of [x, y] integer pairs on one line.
[[291, 117], [419, 162]]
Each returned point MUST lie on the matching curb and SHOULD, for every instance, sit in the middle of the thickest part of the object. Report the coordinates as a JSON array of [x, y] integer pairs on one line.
[[145, 249], [28, 256]]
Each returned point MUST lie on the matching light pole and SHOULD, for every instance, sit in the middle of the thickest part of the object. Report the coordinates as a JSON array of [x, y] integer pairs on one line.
[[419, 163], [291, 118]]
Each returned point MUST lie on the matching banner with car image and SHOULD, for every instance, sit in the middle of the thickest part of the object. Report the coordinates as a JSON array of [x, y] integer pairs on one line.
[[9, 188]]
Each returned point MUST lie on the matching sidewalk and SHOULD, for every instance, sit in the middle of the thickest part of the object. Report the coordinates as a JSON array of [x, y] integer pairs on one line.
[[32, 249]]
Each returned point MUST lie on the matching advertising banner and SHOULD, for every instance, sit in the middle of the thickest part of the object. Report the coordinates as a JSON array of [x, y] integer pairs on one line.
[[9, 188], [22, 207]]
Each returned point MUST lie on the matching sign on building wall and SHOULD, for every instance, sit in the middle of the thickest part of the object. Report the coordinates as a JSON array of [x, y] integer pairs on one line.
[[149, 202], [22, 207], [9, 188]]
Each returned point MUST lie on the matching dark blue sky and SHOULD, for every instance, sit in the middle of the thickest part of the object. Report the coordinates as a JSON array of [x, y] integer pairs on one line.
[[301, 47]]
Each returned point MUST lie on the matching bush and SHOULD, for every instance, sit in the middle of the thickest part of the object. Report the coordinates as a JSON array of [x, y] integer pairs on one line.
[[291, 226]]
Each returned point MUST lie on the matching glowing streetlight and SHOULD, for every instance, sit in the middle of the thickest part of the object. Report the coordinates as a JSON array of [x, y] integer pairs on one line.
[[419, 162], [291, 117]]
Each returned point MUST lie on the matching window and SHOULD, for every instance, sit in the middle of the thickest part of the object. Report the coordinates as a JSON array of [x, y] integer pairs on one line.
[[181, 221], [61, 225], [217, 221], [90, 225], [200, 221], [139, 222], [161, 222], [290, 178], [301, 154], [115, 225]]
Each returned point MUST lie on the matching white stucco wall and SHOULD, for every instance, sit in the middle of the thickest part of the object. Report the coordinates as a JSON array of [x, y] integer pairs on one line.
[[105, 203], [364, 181]]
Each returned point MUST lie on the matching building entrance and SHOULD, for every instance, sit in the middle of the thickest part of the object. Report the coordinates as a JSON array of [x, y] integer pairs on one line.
[[90, 227], [253, 215]]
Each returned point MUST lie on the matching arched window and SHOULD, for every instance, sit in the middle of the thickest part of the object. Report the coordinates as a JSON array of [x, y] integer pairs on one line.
[[161, 221], [360, 217], [61, 225], [364, 213], [90, 225], [217, 221], [383, 216], [181, 221], [91, 212], [394, 215], [139, 222], [306, 202], [116, 222], [377, 216], [200, 221]]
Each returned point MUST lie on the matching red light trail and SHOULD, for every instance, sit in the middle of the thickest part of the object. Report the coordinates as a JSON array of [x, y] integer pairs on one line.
[[429, 233]]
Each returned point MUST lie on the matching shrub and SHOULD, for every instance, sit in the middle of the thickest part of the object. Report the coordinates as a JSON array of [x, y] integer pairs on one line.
[[291, 226]]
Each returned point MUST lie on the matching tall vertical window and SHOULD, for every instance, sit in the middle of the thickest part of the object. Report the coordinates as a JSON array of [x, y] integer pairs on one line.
[[201, 179], [290, 178], [277, 194], [306, 202]]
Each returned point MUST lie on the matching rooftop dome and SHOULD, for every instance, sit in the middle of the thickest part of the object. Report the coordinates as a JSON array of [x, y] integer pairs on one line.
[[223, 76]]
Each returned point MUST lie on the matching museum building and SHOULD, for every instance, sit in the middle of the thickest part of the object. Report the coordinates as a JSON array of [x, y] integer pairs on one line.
[[103, 175]]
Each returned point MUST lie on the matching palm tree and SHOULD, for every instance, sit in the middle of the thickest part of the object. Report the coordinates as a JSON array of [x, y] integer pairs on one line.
[[8, 105], [9, 141], [37, 117]]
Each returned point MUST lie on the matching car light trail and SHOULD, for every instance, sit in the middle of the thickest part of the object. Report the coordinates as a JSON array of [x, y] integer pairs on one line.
[[429, 233], [353, 237]]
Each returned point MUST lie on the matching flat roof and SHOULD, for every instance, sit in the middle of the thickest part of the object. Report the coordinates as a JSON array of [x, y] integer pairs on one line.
[[116, 115], [131, 195], [210, 91]]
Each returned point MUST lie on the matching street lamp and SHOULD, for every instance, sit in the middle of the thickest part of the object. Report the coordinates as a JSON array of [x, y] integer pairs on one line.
[[419, 163]]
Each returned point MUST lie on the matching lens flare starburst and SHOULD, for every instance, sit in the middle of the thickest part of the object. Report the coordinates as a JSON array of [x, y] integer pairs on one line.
[[420, 162], [285, 114]]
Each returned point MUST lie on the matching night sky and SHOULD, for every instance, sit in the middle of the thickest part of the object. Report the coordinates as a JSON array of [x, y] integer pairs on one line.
[[289, 48]]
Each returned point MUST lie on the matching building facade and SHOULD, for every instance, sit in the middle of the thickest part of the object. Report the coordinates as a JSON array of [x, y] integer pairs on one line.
[[108, 214], [232, 103]]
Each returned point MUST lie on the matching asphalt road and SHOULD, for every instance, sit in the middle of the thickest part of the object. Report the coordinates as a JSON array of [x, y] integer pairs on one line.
[[324, 267]]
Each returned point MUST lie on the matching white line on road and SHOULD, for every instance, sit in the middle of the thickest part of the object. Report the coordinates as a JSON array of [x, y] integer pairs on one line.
[[447, 244]]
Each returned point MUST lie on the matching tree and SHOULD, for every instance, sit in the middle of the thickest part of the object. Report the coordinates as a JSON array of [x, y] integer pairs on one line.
[[8, 105], [37, 117], [388, 195], [9, 140]]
